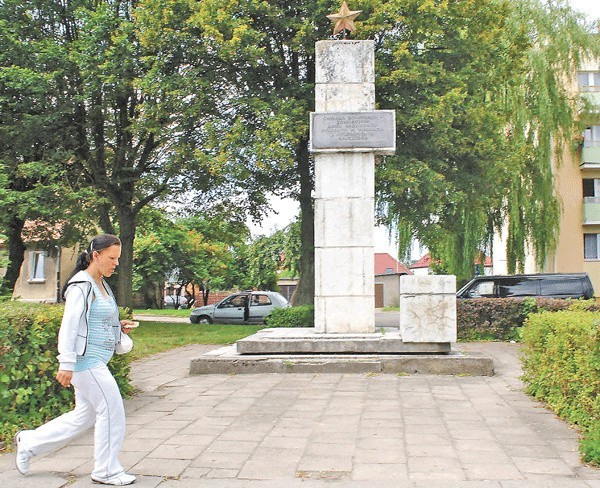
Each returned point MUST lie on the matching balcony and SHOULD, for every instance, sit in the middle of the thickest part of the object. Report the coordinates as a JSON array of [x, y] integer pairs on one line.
[[591, 210], [590, 154]]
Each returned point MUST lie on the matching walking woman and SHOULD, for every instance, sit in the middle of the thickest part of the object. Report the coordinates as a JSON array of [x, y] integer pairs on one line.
[[90, 333]]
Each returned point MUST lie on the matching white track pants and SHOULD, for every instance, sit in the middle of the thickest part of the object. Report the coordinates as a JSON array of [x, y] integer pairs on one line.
[[97, 402]]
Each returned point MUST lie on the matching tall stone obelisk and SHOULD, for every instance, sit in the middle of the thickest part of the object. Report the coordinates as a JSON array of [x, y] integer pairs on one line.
[[346, 134]]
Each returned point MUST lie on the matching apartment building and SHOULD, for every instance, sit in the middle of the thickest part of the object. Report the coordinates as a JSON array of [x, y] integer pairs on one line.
[[577, 185]]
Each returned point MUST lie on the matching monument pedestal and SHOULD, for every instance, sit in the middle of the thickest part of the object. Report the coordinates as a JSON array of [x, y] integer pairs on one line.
[[308, 341], [227, 360]]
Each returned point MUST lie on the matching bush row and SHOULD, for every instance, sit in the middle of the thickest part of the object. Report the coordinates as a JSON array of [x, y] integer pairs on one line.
[[561, 366], [29, 392], [501, 318], [300, 316]]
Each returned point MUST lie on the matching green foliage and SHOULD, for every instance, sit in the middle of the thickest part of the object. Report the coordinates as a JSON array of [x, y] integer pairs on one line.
[[300, 316], [267, 256], [184, 252], [561, 366], [29, 392], [479, 96], [501, 318]]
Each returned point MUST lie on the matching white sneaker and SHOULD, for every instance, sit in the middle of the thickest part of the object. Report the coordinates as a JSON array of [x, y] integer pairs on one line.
[[23, 456], [121, 479]]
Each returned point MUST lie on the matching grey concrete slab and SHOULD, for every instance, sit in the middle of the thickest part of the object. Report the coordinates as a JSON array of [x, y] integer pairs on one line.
[[329, 430], [227, 360], [305, 340]]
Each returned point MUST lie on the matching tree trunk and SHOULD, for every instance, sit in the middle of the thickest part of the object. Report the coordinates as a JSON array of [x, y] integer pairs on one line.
[[16, 255], [304, 294], [127, 227]]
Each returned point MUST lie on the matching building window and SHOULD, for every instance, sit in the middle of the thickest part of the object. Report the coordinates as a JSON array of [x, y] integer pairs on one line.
[[389, 270], [591, 243], [591, 136], [589, 81], [36, 267], [591, 187]]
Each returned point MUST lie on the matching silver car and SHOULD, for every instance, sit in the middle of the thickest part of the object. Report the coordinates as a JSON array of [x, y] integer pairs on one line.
[[246, 307]]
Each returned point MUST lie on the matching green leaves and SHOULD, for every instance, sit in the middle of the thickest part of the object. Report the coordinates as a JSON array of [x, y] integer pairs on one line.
[[561, 366]]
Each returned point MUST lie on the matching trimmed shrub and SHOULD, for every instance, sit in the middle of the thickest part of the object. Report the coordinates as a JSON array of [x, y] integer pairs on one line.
[[561, 366], [300, 316], [502, 318], [29, 392]]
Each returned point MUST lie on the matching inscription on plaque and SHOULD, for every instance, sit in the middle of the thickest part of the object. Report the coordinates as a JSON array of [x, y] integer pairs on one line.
[[353, 130]]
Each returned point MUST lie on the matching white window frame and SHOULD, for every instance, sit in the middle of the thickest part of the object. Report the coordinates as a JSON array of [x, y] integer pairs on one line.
[[597, 258], [590, 84], [37, 264]]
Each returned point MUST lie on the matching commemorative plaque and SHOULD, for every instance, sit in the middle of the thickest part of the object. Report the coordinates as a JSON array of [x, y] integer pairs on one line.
[[373, 131]]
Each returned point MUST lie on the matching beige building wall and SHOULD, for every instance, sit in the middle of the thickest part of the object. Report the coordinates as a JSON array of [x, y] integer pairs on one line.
[[569, 176], [38, 286]]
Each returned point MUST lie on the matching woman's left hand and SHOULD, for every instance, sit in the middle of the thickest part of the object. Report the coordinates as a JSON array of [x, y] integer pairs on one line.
[[128, 325]]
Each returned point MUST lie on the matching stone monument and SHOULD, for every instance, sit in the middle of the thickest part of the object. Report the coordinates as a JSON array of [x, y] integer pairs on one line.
[[347, 133]]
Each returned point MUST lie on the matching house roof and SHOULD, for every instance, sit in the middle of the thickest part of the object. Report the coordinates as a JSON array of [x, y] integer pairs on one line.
[[425, 262], [384, 262]]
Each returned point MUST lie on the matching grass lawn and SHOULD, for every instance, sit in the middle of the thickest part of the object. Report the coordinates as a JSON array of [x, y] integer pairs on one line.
[[154, 337], [164, 312]]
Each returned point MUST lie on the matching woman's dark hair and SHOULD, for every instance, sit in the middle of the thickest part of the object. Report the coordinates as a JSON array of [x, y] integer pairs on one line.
[[98, 243]]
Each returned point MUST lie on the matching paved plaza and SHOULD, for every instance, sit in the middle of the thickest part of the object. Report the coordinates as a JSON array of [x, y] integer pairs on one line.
[[328, 430]]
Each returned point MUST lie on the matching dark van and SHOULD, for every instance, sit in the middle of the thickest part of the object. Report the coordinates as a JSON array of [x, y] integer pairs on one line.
[[551, 285]]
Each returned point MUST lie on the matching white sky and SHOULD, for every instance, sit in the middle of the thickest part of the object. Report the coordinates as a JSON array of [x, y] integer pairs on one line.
[[288, 209], [591, 8]]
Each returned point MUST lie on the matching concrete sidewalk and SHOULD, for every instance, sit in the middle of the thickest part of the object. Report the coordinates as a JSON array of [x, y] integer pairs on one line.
[[328, 430]]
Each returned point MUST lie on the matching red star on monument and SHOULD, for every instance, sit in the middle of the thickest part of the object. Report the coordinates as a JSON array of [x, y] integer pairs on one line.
[[344, 19]]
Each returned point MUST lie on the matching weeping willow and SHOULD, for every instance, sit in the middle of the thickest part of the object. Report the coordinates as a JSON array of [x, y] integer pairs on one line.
[[467, 169]]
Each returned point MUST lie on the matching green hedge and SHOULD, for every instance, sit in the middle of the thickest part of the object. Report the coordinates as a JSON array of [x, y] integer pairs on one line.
[[29, 392], [300, 316], [561, 366], [502, 318]]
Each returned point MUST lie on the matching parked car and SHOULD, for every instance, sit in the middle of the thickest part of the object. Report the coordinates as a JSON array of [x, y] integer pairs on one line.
[[551, 285], [175, 301], [248, 307]]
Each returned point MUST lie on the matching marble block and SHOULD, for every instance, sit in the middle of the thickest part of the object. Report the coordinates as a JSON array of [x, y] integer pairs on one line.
[[350, 175], [428, 308], [344, 222], [344, 271], [344, 97], [345, 314], [345, 62]]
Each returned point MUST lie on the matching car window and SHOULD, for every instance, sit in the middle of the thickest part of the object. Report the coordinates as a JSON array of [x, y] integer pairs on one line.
[[233, 302], [259, 300], [562, 286], [519, 287], [483, 289]]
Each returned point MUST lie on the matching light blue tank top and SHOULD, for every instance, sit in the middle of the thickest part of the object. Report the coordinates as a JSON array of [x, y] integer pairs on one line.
[[104, 329]]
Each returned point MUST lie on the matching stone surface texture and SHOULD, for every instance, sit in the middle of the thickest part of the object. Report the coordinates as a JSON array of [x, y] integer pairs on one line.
[[428, 308]]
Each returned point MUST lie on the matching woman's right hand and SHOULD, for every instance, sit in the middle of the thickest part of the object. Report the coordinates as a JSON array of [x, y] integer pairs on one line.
[[64, 377]]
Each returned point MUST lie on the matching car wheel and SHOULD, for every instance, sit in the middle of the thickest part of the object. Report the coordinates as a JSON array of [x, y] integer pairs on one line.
[[204, 320], [194, 320]]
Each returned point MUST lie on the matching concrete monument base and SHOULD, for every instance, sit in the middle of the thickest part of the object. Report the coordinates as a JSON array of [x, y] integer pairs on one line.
[[227, 360], [308, 341]]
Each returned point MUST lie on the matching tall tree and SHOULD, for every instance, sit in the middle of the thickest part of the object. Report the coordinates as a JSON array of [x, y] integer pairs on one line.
[[132, 117], [38, 179]]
